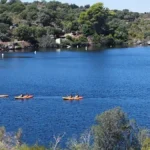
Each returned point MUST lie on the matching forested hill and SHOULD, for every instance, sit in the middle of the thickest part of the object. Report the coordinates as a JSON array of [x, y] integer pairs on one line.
[[41, 23]]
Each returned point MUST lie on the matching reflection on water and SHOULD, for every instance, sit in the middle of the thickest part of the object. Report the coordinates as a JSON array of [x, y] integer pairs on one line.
[[106, 79]]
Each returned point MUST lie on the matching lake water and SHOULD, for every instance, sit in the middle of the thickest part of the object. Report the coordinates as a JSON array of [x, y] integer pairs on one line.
[[106, 79]]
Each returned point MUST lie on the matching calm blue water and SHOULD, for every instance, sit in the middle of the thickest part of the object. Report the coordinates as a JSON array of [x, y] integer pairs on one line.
[[106, 79]]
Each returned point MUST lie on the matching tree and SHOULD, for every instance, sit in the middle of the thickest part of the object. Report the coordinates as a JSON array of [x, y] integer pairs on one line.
[[67, 26], [17, 7], [4, 37], [47, 41], [32, 16], [23, 14], [32, 7], [53, 5], [3, 1], [4, 28], [54, 31], [45, 17], [95, 17], [3, 8], [24, 32], [13, 1], [121, 33], [5, 18], [107, 41], [38, 32], [87, 6], [87, 30], [74, 6], [146, 144], [70, 26], [115, 131], [96, 39]]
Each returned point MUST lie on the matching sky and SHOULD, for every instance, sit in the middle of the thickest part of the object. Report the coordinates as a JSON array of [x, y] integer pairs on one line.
[[133, 5]]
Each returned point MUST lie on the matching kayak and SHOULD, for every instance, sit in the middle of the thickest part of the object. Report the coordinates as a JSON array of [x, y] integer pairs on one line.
[[67, 98], [72, 98], [24, 97], [3, 96]]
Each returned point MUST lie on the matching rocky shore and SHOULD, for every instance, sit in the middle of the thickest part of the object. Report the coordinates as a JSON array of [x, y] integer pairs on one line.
[[16, 45]]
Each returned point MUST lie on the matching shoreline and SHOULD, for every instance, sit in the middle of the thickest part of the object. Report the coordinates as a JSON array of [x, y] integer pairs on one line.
[[70, 49]]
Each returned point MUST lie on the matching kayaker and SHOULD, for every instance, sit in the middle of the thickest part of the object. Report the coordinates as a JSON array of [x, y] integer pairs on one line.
[[27, 95], [77, 96], [21, 95], [70, 96]]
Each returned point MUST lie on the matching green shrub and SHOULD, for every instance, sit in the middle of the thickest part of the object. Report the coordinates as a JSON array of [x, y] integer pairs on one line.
[[146, 144], [115, 131], [47, 42]]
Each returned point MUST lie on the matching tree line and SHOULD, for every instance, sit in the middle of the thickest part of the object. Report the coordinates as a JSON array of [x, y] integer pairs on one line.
[[40, 23]]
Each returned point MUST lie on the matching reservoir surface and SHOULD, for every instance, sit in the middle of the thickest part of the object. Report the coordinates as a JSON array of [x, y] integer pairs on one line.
[[105, 78]]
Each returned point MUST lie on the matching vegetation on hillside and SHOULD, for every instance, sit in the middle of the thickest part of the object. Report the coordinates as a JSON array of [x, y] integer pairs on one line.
[[113, 131], [46, 21]]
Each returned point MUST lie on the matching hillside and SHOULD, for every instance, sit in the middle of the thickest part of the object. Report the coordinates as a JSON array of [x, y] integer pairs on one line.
[[41, 23]]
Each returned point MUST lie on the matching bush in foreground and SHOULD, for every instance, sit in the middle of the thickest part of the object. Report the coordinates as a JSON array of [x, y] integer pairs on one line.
[[115, 131]]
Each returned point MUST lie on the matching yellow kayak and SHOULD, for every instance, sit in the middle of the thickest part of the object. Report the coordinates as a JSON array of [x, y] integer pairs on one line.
[[24, 97], [72, 98], [3, 96]]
